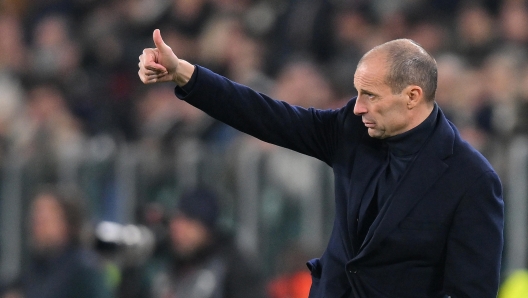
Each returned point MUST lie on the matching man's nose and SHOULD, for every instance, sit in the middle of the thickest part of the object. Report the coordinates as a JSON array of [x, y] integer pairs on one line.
[[359, 108]]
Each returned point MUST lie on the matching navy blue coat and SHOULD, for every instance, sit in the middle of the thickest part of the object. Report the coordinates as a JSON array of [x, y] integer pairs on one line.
[[441, 232]]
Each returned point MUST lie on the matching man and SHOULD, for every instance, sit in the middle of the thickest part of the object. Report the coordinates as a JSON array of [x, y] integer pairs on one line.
[[419, 212]]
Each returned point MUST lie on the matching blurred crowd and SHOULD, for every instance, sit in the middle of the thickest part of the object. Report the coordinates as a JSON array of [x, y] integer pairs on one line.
[[68, 68], [68, 76]]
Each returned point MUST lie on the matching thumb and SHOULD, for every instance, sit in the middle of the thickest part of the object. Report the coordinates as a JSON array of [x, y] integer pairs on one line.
[[158, 41]]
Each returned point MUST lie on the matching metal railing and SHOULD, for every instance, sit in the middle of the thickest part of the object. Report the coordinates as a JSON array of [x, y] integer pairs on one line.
[[117, 180]]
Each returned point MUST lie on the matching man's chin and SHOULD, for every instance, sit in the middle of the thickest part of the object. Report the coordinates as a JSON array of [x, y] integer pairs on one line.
[[377, 134], [374, 133]]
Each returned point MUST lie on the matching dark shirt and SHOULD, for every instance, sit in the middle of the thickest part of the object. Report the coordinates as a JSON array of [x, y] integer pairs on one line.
[[402, 149]]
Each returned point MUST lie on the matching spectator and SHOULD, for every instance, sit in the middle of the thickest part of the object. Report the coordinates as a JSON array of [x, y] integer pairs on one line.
[[476, 33], [203, 262], [514, 23], [47, 130], [59, 266]]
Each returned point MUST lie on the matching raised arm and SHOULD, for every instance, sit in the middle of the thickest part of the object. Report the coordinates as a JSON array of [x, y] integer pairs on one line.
[[308, 131]]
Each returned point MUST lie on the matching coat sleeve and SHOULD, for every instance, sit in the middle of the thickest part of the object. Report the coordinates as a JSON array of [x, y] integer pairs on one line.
[[475, 243], [309, 131]]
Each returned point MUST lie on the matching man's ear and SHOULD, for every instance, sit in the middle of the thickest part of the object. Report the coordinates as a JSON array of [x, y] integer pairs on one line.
[[414, 95]]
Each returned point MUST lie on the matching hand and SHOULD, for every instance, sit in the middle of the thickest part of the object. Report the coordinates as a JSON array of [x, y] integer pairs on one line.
[[159, 64]]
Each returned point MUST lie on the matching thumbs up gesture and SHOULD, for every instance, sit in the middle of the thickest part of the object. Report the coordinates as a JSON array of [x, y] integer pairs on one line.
[[160, 64]]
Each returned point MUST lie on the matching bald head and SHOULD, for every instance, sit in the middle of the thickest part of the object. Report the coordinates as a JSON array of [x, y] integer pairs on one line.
[[408, 64]]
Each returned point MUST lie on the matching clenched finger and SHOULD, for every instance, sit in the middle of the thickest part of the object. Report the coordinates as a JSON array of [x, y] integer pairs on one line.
[[151, 77], [147, 79], [149, 59]]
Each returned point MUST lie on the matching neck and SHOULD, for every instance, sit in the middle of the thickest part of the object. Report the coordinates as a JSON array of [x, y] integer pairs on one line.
[[419, 113], [409, 142]]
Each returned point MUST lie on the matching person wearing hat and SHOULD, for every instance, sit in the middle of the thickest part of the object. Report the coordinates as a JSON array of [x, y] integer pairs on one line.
[[203, 261]]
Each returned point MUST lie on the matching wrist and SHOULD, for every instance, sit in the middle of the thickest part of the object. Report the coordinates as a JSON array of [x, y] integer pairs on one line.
[[184, 73]]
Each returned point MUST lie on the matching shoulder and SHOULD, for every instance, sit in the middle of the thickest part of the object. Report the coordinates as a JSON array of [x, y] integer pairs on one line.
[[456, 151], [468, 166], [470, 158]]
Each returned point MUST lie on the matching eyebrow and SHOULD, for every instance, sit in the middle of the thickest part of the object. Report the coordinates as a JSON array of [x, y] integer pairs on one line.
[[366, 91]]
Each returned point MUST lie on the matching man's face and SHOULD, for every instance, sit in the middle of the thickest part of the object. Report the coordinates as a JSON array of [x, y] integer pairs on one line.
[[383, 113]]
